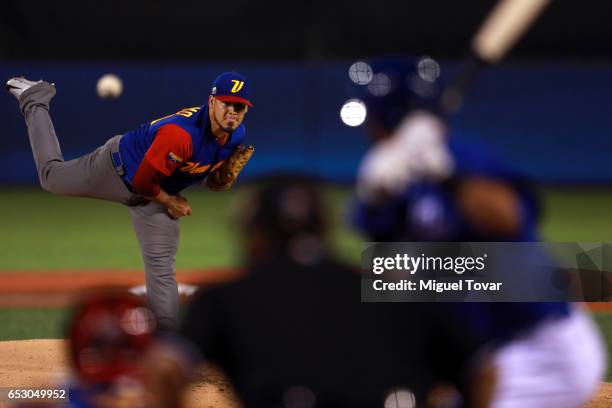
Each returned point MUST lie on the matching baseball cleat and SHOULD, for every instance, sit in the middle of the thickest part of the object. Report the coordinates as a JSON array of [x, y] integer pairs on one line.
[[16, 86]]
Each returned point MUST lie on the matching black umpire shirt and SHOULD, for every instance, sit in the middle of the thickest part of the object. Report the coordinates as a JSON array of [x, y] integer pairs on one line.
[[287, 327]]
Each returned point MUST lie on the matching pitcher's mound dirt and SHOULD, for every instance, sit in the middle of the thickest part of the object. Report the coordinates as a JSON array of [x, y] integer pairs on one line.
[[42, 363]]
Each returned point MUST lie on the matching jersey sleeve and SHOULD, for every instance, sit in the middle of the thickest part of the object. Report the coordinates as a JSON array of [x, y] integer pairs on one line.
[[172, 146]]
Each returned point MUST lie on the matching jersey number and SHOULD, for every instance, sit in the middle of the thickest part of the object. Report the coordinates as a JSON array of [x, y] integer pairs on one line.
[[187, 112]]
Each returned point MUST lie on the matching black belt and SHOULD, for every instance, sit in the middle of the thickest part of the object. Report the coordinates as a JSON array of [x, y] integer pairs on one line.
[[118, 163], [120, 169], [136, 198]]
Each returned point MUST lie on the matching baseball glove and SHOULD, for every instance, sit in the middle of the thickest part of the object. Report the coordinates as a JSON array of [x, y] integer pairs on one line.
[[226, 175]]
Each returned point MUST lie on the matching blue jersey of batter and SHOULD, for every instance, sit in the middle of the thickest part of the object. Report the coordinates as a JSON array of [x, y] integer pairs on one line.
[[181, 147], [428, 212]]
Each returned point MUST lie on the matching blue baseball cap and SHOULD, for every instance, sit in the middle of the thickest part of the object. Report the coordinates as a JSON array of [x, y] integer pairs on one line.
[[231, 87]]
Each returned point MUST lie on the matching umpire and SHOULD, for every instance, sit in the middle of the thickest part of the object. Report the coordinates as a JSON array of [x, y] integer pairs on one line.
[[293, 331]]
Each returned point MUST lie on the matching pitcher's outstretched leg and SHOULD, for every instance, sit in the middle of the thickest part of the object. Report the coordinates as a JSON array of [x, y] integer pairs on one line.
[[34, 98]]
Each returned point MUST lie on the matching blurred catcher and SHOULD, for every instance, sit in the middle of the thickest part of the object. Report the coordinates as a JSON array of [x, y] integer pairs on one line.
[[147, 168], [419, 182], [109, 335]]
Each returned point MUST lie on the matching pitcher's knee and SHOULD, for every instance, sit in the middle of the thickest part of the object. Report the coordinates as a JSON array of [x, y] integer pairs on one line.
[[161, 252], [163, 265], [50, 185]]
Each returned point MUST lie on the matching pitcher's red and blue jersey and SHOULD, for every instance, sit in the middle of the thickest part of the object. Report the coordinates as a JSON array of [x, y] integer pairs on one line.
[[185, 150]]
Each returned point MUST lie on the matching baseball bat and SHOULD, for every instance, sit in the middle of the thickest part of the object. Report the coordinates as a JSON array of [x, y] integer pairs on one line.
[[385, 166], [502, 28]]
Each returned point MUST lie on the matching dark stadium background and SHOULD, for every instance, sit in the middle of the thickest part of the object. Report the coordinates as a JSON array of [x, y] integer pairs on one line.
[[547, 108]]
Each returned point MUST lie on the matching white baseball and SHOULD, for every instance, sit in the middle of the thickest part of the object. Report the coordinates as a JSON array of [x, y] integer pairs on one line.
[[109, 86]]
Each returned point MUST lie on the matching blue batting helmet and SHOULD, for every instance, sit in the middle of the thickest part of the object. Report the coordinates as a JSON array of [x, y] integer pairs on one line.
[[391, 87]]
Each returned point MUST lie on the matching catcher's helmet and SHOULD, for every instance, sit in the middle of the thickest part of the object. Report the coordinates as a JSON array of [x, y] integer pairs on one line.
[[108, 334]]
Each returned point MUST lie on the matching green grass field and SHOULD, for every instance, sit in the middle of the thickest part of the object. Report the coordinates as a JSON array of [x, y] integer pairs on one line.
[[45, 233], [42, 232], [34, 323]]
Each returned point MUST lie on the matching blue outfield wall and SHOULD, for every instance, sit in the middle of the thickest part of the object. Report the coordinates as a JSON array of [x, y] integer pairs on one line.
[[552, 120]]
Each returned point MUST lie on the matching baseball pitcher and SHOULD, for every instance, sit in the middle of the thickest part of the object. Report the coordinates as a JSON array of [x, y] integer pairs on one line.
[[146, 169]]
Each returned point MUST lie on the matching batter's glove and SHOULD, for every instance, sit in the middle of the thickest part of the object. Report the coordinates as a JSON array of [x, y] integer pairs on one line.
[[226, 175], [417, 150]]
